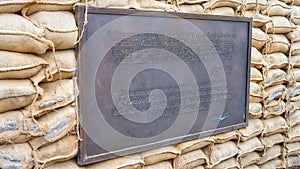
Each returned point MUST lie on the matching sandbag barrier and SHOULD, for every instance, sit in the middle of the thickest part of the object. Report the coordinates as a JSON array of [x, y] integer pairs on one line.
[[38, 63]]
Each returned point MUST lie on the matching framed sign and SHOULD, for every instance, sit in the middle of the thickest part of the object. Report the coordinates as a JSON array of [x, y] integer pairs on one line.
[[152, 79]]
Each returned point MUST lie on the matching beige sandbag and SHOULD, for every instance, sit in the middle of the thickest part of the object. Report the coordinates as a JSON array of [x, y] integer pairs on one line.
[[295, 48], [160, 154], [194, 9], [250, 145], [189, 146], [270, 141], [270, 154], [258, 19], [15, 65], [252, 167], [56, 94], [60, 27], [12, 6], [249, 159], [220, 152], [20, 35], [259, 38], [256, 58], [293, 161], [55, 124], [224, 137], [221, 3], [49, 5], [274, 110], [274, 77], [288, 1], [164, 165], [256, 92], [276, 163], [279, 24], [273, 94], [127, 162], [256, 4], [294, 118], [190, 160], [276, 60], [199, 167], [293, 148], [295, 15], [70, 164], [278, 43], [294, 92], [255, 110], [297, 2], [277, 8], [61, 150], [295, 61], [16, 156], [228, 11], [191, 1], [294, 36], [254, 128], [274, 125], [156, 5], [15, 94], [231, 163], [117, 4], [293, 106], [293, 134], [255, 75]]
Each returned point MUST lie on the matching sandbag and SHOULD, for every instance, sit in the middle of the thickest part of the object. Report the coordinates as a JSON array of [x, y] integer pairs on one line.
[[293, 106], [294, 92], [293, 161], [117, 4], [154, 5], [49, 5], [297, 2], [294, 36], [288, 1], [189, 146], [12, 6], [20, 35], [256, 92], [55, 124], [274, 93], [254, 128], [274, 77], [190, 160], [276, 163], [252, 167], [277, 8], [15, 94], [164, 165], [15, 65], [293, 134], [191, 1], [270, 154], [258, 19], [194, 9], [293, 148], [231, 163], [274, 110], [279, 24], [60, 27], [278, 43], [255, 75], [61, 150], [294, 118], [258, 5], [199, 167], [250, 158], [295, 48], [224, 137], [227, 11], [128, 162], [274, 125], [259, 38], [276, 60], [256, 58], [220, 152], [16, 156], [270, 141], [295, 61], [255, 110], [70, 164], [250, 145], [295, 15], [221, 3], [56, 94], [160, 154]]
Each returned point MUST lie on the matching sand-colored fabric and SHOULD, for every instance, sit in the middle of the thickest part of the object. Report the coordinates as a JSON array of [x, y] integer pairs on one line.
[[221, 3], [49, 5], [258, 19], [295, 48], [255, 75], [231, 163], [294, 92], [61, 150], [191, 1], [295, 61], [220, 152], [15, 65], [295, 15], [250, 158], [117, 4], [190, 160], [293, 134], [59, 26], [270, 154], [15, 94], [258, 5], [293, 161], [274, 93], [128, 162], [276, 60], [224, 137], [195, 8], [250, 145], [294, 36], [274, 77], [199, 167], [160, 154], [252, 167], [160, 165], [276, 163], [293, 148], [56, 94], [254, 128], [256, 58], [294, 118], [259, 38], [277, 8], [274, 125], [225, 11], [270, 141], [12, 6], [70, 164], [297, 2], [255, 110], [16, 156], [192, 145], [274, 110], [55, 124], [278, 43], [256, 92], [293, 106], [154, 5], [20, 35], [279, 24]]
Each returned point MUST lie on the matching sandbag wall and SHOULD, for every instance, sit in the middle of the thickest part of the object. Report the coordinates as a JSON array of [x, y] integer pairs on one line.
[[38, 118]]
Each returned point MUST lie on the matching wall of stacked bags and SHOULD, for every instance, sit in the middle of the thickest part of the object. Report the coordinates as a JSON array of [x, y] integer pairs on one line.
[[38, 117]]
